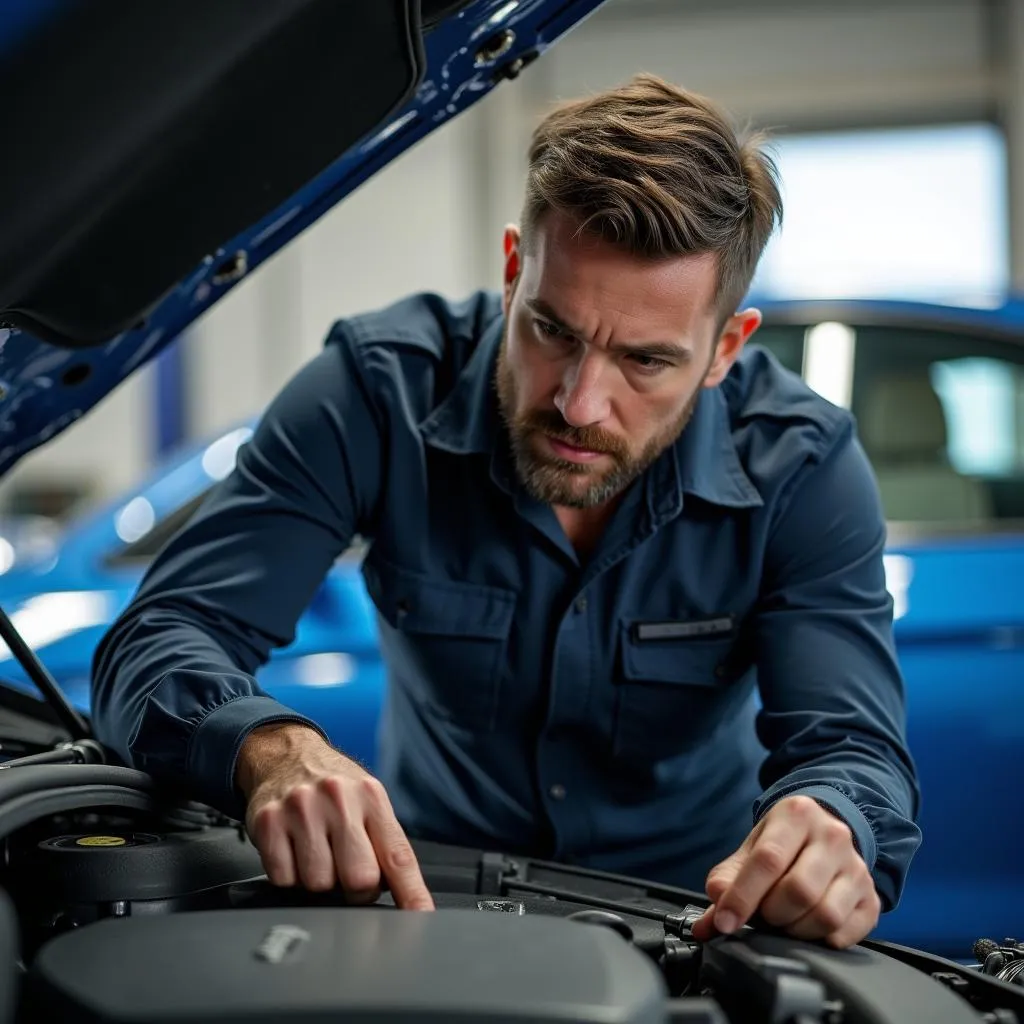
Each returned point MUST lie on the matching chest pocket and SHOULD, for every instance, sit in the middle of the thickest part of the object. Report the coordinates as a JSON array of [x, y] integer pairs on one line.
[[447, 641], [671, 693]]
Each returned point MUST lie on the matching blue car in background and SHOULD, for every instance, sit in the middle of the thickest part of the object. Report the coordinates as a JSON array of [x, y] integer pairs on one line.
[[939, 397], [938, 393], [62, 604]]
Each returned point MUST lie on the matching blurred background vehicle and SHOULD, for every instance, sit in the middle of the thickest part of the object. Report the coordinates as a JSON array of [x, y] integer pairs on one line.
[[938, 393], [899, 133], [63, 602], [26, 541]]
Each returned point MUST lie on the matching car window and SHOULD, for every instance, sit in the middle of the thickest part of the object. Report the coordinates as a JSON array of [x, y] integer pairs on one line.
[[941, 416], [940, 413]]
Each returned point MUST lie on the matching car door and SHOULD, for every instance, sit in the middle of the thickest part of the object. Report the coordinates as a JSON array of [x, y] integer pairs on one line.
[[940, 412]]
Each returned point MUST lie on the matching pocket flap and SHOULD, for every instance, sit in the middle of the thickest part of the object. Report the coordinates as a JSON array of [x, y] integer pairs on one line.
[[421, 604], [687, 661]]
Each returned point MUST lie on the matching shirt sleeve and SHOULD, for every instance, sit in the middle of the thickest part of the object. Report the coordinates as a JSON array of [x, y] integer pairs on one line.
[[833, 715], [173, 691]]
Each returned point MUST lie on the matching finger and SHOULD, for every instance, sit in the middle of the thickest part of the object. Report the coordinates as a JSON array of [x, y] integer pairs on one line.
[[703, 928], [768, 858], [271, 839], [802, 888], [394, 852], [307, 827], [722, 875], [831, 912], [858, 925], [314, 861], [355, 862]]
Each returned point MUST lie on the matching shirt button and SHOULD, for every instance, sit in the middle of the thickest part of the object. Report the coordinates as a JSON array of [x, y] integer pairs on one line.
[[557, 791], [581, 604]]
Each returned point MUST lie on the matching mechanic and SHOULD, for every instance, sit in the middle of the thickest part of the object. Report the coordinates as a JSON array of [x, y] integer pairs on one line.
[[629, 573]]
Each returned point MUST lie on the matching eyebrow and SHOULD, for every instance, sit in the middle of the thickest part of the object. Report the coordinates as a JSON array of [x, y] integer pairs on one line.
[[665, 349], [541, 308]]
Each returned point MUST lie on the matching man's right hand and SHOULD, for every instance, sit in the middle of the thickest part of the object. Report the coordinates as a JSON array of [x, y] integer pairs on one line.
[[317, 817]]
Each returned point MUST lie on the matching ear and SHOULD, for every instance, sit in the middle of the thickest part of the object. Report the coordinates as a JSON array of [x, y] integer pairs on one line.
[[735, 334], [513, 263]]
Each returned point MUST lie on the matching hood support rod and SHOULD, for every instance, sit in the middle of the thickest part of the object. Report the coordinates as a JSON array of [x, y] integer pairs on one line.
[[75, 725]]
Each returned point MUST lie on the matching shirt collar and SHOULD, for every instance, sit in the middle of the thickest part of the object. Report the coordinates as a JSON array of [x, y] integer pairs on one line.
[[466, 421], [707, 460], [704, 461]]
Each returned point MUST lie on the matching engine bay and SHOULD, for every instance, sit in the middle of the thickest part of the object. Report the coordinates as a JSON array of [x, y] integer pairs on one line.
[[124, 904]]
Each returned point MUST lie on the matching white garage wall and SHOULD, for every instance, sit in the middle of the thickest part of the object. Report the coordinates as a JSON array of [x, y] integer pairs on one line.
[[794, 64], [103, 453], [433, 220], [1011, 112]]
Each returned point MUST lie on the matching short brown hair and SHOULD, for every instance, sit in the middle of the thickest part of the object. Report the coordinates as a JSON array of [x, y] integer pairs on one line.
[[661, 172]]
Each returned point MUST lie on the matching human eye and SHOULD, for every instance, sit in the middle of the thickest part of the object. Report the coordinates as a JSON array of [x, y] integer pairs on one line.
[[547, 328], [649, 365]]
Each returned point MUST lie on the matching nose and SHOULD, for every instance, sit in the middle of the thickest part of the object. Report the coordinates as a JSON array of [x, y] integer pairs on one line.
[[583, 398]]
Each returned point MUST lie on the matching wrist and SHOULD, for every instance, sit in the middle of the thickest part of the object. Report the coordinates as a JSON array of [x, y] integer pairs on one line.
[[266, 746]]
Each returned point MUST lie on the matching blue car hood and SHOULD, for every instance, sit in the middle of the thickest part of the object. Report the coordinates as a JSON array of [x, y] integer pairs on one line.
[[155, 158]]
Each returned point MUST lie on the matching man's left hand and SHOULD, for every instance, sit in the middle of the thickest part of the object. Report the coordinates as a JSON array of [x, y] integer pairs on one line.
[[800, 869]]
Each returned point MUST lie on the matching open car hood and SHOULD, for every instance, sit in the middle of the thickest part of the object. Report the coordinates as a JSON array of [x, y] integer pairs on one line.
[[156, 154]]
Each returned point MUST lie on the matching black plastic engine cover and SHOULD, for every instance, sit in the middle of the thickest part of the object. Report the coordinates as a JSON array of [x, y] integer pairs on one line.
[[352, 964]]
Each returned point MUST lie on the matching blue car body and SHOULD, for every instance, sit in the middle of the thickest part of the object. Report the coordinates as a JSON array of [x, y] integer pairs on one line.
[[959, 629]]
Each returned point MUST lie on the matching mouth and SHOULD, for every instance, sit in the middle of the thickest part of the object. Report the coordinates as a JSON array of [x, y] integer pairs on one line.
[[570, 452]]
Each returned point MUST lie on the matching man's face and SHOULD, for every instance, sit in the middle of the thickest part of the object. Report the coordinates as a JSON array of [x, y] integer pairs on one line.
[[603, 357]]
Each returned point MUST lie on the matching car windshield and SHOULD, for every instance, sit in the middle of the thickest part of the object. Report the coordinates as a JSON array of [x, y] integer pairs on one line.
[[940, 413]]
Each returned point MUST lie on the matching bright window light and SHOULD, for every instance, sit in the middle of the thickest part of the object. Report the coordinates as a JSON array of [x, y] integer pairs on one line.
[[899, 571], [47, 618], [135, 520], [219, 458], [828, 361], [327, 669], [980, 398], [911, 213], [7, 555]]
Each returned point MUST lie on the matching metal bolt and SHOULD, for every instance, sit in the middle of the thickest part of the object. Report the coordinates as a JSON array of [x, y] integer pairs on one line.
[[495, 47]]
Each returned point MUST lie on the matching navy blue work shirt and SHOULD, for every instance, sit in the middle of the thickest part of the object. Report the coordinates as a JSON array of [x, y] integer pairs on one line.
[[727, 643]]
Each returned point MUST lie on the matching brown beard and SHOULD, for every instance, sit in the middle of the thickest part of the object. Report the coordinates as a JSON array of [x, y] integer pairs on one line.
[[554, 481]]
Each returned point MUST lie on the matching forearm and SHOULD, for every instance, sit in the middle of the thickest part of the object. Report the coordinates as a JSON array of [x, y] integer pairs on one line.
[[172, 701], [174, 691], [834, 710]]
